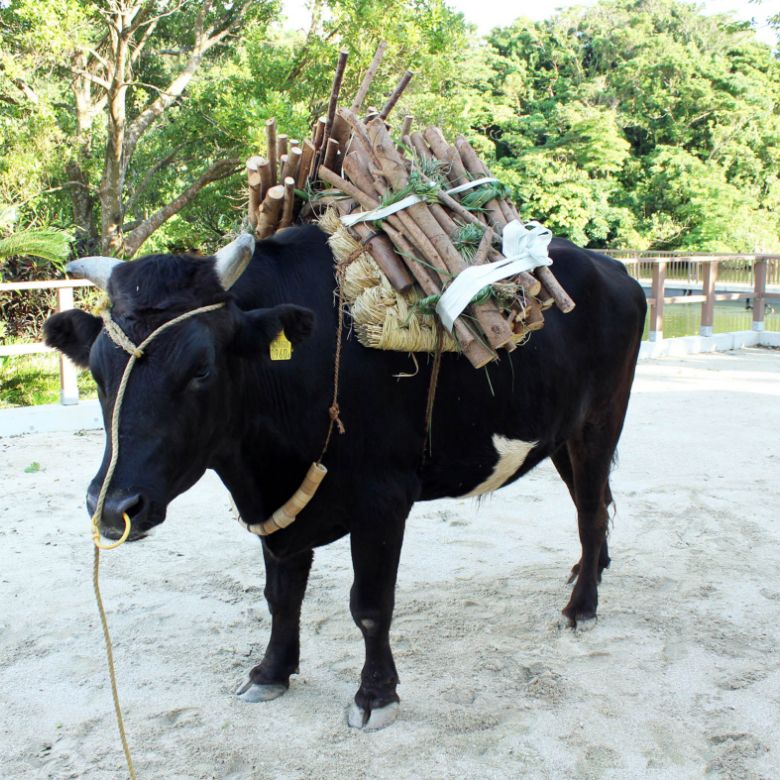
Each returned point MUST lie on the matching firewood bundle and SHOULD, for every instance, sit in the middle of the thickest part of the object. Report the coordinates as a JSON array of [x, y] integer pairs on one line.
[[450, 215]]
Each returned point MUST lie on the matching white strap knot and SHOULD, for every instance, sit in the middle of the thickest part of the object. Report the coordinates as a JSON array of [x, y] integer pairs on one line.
[[523, 250]]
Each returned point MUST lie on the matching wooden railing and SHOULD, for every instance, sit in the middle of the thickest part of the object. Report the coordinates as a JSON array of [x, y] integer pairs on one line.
[[702, 271], [69, 390]]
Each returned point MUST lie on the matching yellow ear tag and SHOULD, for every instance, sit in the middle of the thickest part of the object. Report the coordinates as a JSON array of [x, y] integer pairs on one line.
[[281, 348]]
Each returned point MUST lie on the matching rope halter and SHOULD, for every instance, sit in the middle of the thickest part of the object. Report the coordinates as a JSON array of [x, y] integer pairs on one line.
[[136, 352]]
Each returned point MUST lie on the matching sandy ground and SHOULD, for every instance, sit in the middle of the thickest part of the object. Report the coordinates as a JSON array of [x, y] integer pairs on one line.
[[679, 677]]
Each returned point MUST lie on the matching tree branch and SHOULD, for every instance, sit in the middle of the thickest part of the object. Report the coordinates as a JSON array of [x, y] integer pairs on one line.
[[149, 175], [167, 97], [218, 170]]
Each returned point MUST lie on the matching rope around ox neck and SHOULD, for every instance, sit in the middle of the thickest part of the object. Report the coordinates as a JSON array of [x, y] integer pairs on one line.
[[119, 337]]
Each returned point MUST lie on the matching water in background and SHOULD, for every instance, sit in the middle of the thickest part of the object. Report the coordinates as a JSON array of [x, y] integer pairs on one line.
[[685, 319]]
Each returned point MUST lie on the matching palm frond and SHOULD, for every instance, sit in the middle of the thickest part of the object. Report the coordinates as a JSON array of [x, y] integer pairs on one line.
[[47, 243]]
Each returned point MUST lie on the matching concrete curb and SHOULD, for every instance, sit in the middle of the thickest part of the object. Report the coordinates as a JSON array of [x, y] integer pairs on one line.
[[719, 342], [51, 418]]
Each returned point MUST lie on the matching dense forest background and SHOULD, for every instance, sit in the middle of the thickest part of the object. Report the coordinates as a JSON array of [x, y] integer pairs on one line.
[[631, 123]]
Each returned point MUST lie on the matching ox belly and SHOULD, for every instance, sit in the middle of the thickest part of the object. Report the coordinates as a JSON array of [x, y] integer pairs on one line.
[[511, 456]]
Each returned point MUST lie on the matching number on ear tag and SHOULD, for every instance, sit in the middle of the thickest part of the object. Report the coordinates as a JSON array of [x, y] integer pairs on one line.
[[280, 348]]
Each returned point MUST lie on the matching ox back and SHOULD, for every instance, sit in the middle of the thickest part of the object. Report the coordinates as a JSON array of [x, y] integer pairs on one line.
[[562, 395]]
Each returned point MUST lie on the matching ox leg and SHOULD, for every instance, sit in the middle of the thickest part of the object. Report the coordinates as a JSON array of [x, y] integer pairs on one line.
[[563, 465], [590, 459], [376, 551], [285, 586]]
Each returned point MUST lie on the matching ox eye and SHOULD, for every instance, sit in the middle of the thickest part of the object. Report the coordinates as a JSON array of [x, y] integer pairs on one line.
[[202, 374]]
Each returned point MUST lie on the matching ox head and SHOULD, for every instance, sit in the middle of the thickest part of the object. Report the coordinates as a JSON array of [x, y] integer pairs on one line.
[[182, 392]]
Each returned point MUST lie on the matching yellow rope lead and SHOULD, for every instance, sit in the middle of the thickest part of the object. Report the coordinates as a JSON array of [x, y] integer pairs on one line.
[[136, 352]]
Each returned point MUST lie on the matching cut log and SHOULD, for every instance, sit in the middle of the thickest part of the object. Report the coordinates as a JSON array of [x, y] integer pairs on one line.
[[319, 132], [273, 159], [365, 85], [293, 163], [281, 145], [330, 116], [477, 170], [396, 94], [559, 295], [307, 158], [420, 147], [331, 154], [447, 155], [255, 187], [289, 203], [270, 211]]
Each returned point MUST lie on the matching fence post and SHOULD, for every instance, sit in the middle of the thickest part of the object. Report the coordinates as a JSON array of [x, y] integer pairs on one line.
[[656, 329], [709, 277], [69, 389], [759, 292]]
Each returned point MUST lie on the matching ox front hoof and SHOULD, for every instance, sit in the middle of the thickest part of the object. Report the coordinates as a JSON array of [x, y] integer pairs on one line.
[[254, 692], [372, 720]]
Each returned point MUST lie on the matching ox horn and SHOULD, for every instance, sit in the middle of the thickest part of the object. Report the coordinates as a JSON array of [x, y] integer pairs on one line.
[[231, 261], [96, 269]]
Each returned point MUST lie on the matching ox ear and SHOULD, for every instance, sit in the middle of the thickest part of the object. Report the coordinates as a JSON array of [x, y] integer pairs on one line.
[[261, 326], [73, 332]]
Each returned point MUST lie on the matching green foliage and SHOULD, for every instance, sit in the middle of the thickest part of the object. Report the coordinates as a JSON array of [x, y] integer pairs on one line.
[[631, 122], [34, 379], [641, 124], [46, 243]]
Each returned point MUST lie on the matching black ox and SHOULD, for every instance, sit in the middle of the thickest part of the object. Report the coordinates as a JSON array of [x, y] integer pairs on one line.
[[205, 395]]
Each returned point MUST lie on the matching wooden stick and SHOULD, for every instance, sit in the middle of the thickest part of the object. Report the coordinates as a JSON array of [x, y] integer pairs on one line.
[[331, 153], [294, 142], [341, 131], [406, 127], [289, 202], [281, 145], [307, 157], [358, 128], [292, 163], [559, 295], [365, 85], [443, 152], [419, 145], [475, 351], [533, 319], [282, 163], [477, 169], [264, 168], [334, 96], [395, 94], [381, 250], [268, 217], [545, 298], [255, 187], [318, 132], [270, 132]]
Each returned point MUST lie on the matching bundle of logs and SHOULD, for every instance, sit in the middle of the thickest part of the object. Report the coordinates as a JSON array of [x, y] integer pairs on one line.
[[428, 242]]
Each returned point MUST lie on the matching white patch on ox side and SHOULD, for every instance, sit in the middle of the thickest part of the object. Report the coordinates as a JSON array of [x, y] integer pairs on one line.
[[511, 456]]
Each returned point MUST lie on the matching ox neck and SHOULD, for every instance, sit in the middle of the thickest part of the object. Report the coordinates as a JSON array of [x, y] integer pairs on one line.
[[273, 433]]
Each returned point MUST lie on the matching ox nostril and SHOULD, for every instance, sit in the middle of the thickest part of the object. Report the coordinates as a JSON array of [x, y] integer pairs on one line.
[[112, 523], [130, 505]]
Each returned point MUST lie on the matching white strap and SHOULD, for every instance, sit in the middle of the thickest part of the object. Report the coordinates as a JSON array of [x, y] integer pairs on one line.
[[523, 250], [385, 211]]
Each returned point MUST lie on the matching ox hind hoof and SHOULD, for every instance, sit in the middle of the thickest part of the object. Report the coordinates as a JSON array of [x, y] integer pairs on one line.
[[372, 719], [253, 692]]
